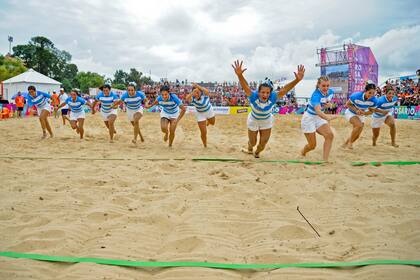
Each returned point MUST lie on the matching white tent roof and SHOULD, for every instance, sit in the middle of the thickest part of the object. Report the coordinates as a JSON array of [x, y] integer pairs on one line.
[[31, 76]]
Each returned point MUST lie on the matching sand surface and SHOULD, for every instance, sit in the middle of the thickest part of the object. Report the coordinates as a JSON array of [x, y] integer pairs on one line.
[[205, 211]]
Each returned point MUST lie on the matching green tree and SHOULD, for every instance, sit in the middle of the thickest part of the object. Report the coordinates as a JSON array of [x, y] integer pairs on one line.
[[86, 80], [146, 81], [41, 55], [10, 67], [119, 86], [134, 76], [120, 77]]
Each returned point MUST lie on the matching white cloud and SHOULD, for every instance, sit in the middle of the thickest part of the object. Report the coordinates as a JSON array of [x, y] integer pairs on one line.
[[397, 51], [198, 40]]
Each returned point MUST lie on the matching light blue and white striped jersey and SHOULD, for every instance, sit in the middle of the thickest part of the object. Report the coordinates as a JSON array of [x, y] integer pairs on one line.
[[384, 104], [106, 101], [262, 110], [169, 106], [202, 104], [133, 102], [319, 99], [39, 100], [358, 100], [77, 105]]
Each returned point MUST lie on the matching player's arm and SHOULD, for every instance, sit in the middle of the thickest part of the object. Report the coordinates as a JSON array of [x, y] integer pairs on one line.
[[203, 89], [351, 106], [323, 115], [147, 105], [183, 110], [237, 66]]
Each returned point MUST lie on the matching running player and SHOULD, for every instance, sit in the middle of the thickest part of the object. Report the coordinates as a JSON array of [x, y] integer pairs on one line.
[[41, 101], [360, 105], [383, 114], [107, 98], [77, 112], [314, 119], [199, 97], [170, 114], [133, 100], [262, 101]]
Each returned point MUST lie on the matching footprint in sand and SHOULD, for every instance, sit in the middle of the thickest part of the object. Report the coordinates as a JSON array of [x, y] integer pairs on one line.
[[292, 232]]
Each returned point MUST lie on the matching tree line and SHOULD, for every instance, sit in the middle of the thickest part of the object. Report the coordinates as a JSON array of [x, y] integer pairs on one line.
[[44, 57]]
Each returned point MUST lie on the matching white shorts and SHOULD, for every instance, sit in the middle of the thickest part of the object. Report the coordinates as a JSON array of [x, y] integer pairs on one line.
[[310, 123], [165, 115], [74, 116], [349, 114], [131, 113], [47, 107], [378, 122], [106, 115], [204, 116], [256, 125]]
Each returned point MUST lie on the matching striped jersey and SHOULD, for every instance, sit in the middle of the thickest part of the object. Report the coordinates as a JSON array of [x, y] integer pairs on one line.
[[319, 99], [262, 110], [133, 102], [76, 106], [169, 106], [107, 101], [40, 100], [202, 104], [384, 104], [358, 100]]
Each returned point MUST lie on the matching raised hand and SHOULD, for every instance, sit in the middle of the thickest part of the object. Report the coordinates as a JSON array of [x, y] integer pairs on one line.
[[300, 72], [237, 66]]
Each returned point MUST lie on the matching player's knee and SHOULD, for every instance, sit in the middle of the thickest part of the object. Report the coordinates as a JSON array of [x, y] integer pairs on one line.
[[311, 146], [329, 136]]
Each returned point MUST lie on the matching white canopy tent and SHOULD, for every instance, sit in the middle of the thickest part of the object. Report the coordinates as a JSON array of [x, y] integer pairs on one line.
[[21, 82]]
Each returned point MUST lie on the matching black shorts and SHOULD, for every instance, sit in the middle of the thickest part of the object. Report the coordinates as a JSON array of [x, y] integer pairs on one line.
[[20, 109], [64, 111]]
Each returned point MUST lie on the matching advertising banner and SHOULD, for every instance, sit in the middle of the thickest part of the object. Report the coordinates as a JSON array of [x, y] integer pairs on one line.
[[239, 110]]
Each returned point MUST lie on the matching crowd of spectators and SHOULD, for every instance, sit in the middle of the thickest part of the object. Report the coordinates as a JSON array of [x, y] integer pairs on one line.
[[221, 94], [408, 91]]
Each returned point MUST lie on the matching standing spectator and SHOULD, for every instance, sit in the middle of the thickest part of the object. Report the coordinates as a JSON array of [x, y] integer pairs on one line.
[[55, 102], [20, 103], [64, 110]]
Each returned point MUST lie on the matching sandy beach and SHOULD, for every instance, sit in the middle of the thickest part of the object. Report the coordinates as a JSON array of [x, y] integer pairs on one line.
[[173, 210]]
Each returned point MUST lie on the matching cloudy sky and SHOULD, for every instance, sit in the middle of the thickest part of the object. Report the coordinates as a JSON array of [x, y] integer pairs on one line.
[[198, 40]]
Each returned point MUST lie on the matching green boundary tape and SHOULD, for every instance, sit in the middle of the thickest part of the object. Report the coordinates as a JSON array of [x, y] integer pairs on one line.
[[232, 160], [378, 163], [203, 264], [258, 161]]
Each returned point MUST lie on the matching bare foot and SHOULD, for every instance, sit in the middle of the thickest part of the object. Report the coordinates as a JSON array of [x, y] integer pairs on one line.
[[374, 144], [44, 135], [165, 137], [141, 139], [395, 145], [134, 141], [347, 146], [257, 155], [111, 141], [302, 153], [246, 151]]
